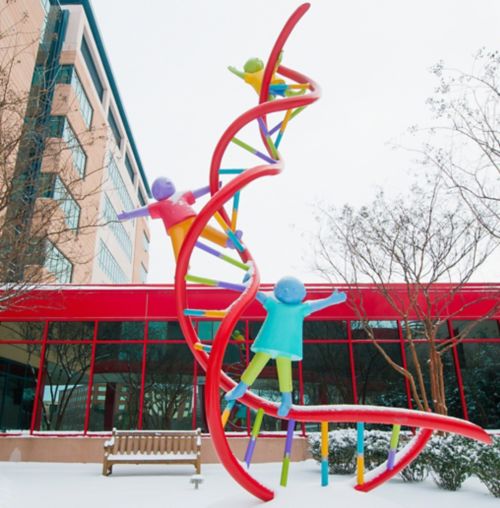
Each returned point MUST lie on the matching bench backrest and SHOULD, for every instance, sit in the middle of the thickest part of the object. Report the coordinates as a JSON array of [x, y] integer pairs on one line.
[[155, 442]]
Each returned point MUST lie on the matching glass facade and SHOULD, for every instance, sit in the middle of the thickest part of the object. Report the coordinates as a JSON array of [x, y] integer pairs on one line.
[[93, 375], [58, 264], [68, 205], [109, 265], [119, 184], [117, 228]]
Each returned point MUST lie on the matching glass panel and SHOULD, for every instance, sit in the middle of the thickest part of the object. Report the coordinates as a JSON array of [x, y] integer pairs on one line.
[[326, 374], [168, 389], [120, 330], [116, 387], [452, 394], [19, 365], [65, 386], [21, 330], [418, 332], [480, 366], [253, 328], [377, 382], [382, 330], [487, 329], [164, 330], [328, 330], [71, 330]]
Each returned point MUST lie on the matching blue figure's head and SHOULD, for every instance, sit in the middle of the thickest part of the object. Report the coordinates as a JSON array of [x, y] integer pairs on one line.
[[162, 188], [289, 290]]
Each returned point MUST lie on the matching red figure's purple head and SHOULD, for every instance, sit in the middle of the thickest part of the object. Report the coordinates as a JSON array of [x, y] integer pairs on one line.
[[162, 188]]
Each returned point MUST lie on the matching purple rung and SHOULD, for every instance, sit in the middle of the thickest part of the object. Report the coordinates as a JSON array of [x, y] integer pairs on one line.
[[250, 450], [262, 126], [391, 459], [208, 249], [231, 286], [275, 128], [265, 157], [289, 437]]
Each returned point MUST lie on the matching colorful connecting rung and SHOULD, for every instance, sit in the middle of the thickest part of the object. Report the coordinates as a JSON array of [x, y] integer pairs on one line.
[[234, 216], [225, 227], [231, 171], [215, 283], [220, 255], [227, 412], [253, 437], [288, 115], [360, 449], [203, 347], [288, 452], [269, 140], [253, 150], [324, 454], [293, 115], [205, 313], [393, 446]]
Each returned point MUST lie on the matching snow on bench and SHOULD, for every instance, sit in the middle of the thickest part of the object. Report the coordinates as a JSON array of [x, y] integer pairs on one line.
[[152, 447]]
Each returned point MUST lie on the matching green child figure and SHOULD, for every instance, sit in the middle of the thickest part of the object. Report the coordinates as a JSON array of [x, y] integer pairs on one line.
[[281, 336]]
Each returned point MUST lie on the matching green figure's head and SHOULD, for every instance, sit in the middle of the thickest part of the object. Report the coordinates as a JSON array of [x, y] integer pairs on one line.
[[253, 65]]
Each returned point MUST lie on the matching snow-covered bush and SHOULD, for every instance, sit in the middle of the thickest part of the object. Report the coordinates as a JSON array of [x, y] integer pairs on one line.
[[487, 465], [450, 460], [341, 450], [418, 469]]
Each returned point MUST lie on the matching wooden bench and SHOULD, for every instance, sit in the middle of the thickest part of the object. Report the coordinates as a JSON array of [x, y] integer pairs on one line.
[[152, 447]]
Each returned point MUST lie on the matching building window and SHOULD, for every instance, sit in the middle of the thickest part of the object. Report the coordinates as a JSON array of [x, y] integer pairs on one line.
[[57, 263], [114, 128], [77, 153], [144, 274], [110, 266], [142, 201], [119, 184], [117, 228], [85, 107], [130, 169], [89, 62], [68, 75], [145, 242], [69, 206]]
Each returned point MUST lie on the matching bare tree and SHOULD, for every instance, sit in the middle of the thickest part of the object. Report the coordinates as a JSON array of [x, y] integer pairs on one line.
[[420, 239], [465, 146], [42, 191]]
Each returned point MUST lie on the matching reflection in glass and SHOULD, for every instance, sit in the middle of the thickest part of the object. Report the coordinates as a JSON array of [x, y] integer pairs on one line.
[[480, 366], [116, 387], [326, 330], [326, 374], [19, 364], [164, 330], [487, 329], [120, 330], [452, 394], [377, 382], [71, 330], [65, 386], [417, 330], [381, 330], [21, 330], [168, 389]]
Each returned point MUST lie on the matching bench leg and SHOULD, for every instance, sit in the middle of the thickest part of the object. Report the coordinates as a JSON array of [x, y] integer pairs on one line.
[[198, 467], [106, 469]]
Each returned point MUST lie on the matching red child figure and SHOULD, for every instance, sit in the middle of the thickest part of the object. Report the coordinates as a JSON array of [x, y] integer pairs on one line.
[[174, 209]]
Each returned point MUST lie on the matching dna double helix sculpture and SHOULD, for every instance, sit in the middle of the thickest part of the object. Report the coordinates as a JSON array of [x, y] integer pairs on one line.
[[223, 207]]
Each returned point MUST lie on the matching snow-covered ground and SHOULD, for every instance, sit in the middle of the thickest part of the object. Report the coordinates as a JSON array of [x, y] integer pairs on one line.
[[47, 485]]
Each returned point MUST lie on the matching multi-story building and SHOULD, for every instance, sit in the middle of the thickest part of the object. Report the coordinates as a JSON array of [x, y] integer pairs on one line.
[[76, 164]]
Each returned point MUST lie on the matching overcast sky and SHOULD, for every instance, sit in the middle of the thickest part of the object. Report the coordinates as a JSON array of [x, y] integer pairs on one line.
[[371, 60]]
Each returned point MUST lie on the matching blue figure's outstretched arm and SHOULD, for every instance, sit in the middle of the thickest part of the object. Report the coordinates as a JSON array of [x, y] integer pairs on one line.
[[335, 298], [133, 214]]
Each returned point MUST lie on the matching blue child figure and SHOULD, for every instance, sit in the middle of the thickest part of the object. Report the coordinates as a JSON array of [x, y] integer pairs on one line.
[[281, 336]]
